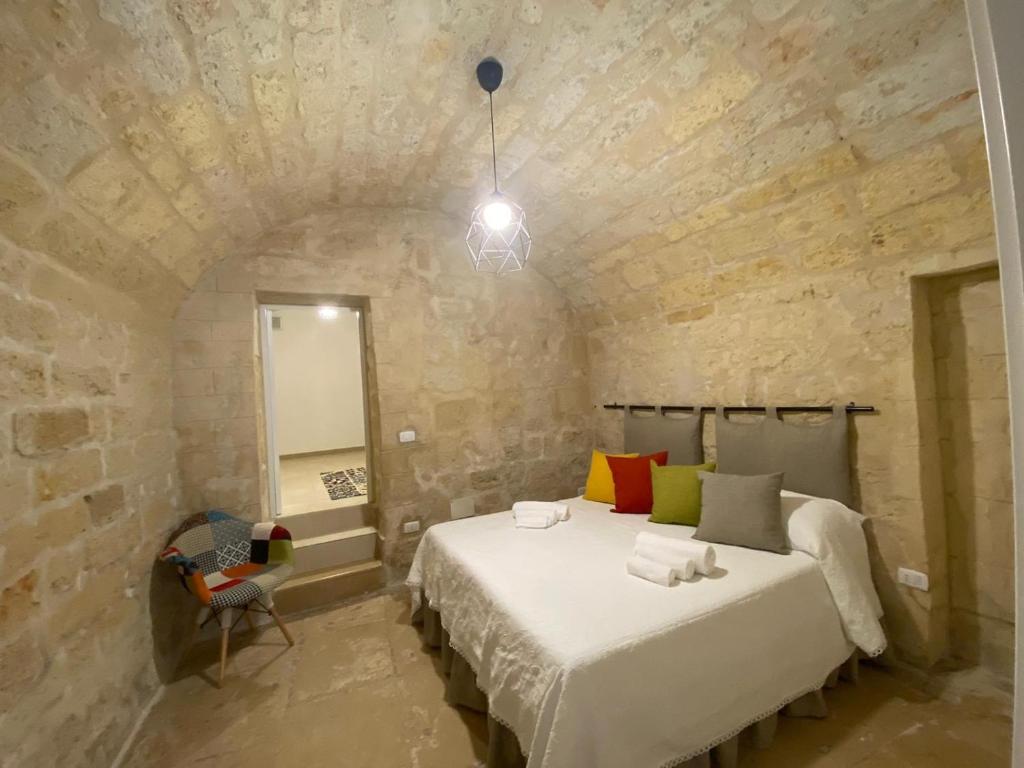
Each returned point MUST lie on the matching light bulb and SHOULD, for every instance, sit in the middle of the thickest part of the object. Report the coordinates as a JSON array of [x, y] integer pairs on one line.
[[327, 313], [497, 215]]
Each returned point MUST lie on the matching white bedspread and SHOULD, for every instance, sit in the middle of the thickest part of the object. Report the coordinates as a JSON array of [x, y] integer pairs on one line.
[[589, 666]]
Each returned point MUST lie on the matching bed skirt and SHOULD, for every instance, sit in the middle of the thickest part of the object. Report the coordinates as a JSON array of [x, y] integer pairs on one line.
[[503, 749]]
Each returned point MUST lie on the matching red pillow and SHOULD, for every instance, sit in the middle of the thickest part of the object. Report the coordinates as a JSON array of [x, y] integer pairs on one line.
[[632, 478]]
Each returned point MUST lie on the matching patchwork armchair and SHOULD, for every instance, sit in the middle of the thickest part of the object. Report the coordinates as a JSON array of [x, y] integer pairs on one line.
[[229, 564]]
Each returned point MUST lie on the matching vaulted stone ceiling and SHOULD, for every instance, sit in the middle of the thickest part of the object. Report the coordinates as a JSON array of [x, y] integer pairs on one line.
[[145, 139]]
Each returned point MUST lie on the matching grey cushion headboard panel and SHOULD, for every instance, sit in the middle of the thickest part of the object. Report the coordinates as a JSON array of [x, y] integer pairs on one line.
[[815, 459], [681, 436]]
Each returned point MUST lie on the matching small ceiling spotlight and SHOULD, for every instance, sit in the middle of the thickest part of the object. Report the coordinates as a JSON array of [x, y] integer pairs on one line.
[[327, 313], [498, 240]]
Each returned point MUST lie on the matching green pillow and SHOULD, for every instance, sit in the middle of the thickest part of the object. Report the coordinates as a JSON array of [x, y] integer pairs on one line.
[[676, 491]]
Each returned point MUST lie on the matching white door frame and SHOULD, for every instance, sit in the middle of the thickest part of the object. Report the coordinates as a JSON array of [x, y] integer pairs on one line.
[[996, 28], [270, 422], [266, 301]]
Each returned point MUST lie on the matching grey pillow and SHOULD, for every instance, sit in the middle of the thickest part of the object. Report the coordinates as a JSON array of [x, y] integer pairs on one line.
[[682, 437], [742, 510], [815, 458]]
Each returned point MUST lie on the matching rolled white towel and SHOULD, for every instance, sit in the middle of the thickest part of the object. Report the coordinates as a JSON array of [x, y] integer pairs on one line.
[[535, 519], [560, 508], [684, 567], [651, 571], [669, 551]]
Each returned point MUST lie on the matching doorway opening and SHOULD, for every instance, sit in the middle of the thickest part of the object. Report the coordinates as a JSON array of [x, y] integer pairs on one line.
[[316, 408], [969, 353]]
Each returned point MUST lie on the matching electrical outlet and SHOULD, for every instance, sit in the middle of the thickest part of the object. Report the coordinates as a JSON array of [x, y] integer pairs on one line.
[[463, 507], [413, 526], [912, 578], [407, 436], [581, 490]]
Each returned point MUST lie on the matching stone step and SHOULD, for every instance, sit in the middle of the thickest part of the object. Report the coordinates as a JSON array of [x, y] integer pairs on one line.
[[322, 522], [333, 550], [330, 585]]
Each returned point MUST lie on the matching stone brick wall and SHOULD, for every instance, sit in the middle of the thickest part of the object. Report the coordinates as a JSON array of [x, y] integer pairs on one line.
[[491, 373], [974, 432], [88, 491], [786, 274]]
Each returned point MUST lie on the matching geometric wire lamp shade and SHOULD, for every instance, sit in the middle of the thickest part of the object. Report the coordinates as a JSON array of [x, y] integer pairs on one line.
[[498, 240]]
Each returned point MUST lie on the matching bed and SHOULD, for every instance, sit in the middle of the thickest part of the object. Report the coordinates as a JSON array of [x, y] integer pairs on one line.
[[589, 666], [580, 664]]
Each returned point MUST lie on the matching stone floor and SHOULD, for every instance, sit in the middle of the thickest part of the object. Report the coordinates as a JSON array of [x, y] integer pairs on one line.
[[359, 690], [302, 489]]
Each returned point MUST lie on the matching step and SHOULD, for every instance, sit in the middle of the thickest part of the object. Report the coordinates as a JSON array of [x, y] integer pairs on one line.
[[333, 550], [331, 520], [330, 585]]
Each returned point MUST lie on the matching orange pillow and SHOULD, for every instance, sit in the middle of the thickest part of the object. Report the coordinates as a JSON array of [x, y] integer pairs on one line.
[[599, 482]]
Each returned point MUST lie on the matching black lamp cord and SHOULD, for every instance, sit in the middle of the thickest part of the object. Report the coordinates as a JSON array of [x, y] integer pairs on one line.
[[494, 152]]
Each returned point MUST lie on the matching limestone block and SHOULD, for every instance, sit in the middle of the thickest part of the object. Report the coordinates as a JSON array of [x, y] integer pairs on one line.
[[747, 275], [907, 180], [932, 74], [771, 10], [689, 315], [31, 323], [39, 432], [782, 147], [762, 194], [701, 219], [160, 58], [720, 92], [220, 70], [690, 21], [196, 14], [192, 203], [167, 171], [192, 130], [22, 663], [836, 161], [50, 127], [114, 190], [261, 27], [19, 192], [947, 221], [73, 472], [18, 602], [313, 14], [819, 213], [55, 528], [274, 101], [22, 377], [111, 547]]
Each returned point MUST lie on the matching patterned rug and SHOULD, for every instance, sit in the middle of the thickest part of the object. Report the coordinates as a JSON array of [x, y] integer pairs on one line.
[[345, 483]]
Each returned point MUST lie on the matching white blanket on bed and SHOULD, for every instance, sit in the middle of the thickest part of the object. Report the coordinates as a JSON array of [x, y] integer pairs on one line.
[[591, 667]]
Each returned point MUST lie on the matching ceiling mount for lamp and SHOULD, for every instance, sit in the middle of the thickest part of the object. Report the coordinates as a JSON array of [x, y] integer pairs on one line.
[[498, 240]]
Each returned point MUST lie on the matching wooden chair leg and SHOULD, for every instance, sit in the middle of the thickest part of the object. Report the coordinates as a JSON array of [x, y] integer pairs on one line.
[[225, 631], [281, 626], [248, 619]]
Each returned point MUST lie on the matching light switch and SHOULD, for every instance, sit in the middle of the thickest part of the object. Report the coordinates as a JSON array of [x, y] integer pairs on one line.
[[412, 526], [912, 578], [407, 436]]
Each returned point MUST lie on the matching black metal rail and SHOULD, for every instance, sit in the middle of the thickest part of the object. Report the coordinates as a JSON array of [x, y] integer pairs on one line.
[[850, 408]]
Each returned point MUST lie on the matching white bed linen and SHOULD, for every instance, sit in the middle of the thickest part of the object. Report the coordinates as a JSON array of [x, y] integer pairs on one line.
[[589, 666]]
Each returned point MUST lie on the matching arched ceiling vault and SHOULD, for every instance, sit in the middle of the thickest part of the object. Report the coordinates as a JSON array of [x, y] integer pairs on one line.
[[143, 139]]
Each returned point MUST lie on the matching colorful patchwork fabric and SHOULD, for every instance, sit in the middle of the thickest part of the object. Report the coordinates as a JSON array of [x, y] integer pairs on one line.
[[225, 561]]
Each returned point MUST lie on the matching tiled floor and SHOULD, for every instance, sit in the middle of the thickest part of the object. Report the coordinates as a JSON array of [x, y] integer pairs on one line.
[[303, 491], [359, 691]]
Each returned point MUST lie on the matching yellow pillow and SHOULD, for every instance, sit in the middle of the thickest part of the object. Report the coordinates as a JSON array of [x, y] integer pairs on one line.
[[600, 486]]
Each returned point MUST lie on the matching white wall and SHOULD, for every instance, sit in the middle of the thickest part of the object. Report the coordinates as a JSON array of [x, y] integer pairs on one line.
[[318, 381], [999, 56]]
